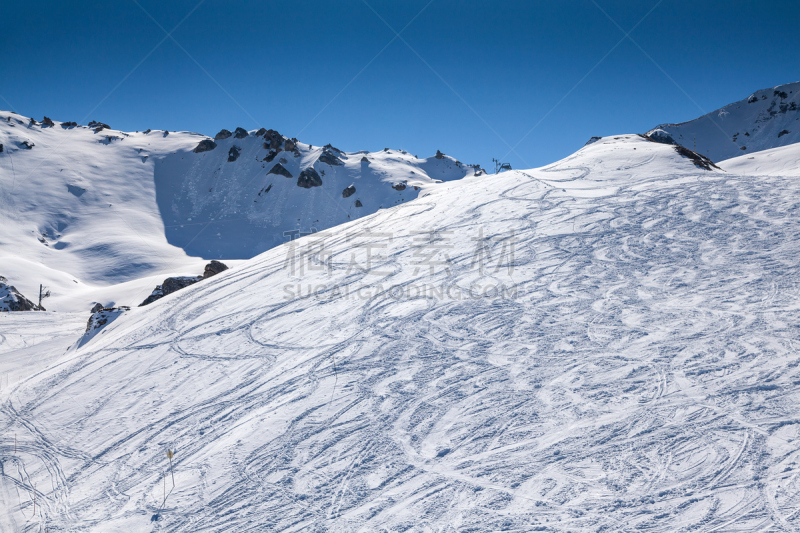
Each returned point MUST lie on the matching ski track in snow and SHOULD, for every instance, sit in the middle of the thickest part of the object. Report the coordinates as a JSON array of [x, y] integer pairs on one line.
[[644, 378]]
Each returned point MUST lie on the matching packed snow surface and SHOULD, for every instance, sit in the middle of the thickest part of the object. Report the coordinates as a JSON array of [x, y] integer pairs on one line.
[[603, 344], [768, 118]]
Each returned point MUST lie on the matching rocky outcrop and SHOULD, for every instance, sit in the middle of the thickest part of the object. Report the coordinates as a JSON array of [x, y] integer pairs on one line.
[[205, 145], [98, 126], [214, 268], [399, 186], [169, 286], [233, 154], [439, 155], [26, 144], [329, 158], [223, 134], [102, 316], [33, 121], [274, 140], [289, 145], [660, 136], [67, 125], [280, 170], [349, 191], [12, 300], [364, 159], [261, 132], [47, 122], [359, 204], [177, 283], [699, 160], [309, 178], [240, 133]]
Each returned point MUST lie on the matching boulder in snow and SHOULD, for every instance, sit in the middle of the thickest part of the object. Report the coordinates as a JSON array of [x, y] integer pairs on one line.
[[349, 191], [280, 170], [214, 268], [169, 286], [309, 178], [205, 146], [47, 122], [240, 133], [233, 154]]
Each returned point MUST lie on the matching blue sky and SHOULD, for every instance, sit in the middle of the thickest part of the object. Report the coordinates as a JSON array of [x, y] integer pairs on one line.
[[473, 79]]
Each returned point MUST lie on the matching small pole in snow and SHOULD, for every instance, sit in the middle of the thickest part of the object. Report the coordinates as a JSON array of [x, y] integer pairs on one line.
[[169, 456]]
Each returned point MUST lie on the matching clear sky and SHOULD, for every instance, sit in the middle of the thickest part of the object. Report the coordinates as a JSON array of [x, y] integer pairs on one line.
[[471, 78]]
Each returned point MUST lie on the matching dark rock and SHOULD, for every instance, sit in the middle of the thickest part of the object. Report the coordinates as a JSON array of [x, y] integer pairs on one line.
[[1, 148], [148, 130], [261, 132], [214, 268], [27, 145], [784, 132], [289, 145], [205, 146], [359, 204], [98, 126], [12, 300], [275, 140], [329, 158], [102, 316], [166, 132], [781, 94], [753, 99], [66, 125], [240, 133], [364, 159], [280, 170], [349, 191], [223, 134], [329, 146], [33, 121], [592, 140], [439, 155], [169, 286], [270, 156], [233, 154], [700, 161], [309, 178], [399, 186], [47, 122]]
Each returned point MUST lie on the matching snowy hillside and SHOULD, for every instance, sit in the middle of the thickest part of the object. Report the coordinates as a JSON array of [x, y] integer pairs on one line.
[[86, 208], [783, 161], [768, 118], [603, 344]]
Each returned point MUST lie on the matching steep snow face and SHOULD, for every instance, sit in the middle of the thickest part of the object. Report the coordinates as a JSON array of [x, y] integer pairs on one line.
[[766, 119], [783, 161], [84, 208], [217, 207], [606, 343]]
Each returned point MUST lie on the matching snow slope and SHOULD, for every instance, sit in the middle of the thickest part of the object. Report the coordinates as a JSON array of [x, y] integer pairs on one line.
[[768, 118], [85, 209], [783, 161], [631, 366]]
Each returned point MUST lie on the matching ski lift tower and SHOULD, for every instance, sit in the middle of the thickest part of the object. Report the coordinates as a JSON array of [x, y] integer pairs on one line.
[[500, 167]]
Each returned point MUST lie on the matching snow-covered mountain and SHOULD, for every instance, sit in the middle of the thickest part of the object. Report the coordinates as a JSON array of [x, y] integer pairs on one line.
[[768, 118], [607, 343], [88, 207]]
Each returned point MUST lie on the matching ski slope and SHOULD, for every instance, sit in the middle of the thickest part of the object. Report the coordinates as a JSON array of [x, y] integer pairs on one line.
[[101, 215], [631, 366], [782, 161], [768, 118]]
